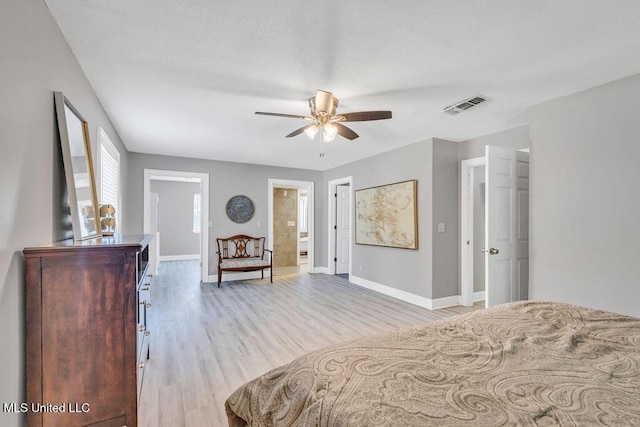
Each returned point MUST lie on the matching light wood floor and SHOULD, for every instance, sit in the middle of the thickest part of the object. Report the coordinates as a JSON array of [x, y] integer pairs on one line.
[[206, 341]]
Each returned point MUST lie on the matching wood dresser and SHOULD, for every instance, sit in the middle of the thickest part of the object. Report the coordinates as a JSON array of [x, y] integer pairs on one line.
[[87, 340]]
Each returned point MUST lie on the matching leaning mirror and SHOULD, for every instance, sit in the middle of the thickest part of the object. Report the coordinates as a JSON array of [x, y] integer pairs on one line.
[[78, 169]]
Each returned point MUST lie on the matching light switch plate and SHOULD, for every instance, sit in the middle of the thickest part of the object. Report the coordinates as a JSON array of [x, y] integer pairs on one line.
[[291, 223], [441, 227]]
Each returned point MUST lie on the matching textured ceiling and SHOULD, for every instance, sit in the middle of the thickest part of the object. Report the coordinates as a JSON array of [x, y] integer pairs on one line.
[[183, 78]]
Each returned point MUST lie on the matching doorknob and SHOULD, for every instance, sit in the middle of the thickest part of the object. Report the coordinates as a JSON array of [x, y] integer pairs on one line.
[[491, 251]]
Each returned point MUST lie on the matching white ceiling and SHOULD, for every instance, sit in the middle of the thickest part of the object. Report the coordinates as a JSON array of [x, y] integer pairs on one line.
[[183, 78]]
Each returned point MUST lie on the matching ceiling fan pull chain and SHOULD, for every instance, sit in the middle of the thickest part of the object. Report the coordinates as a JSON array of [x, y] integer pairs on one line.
[[322, 147]]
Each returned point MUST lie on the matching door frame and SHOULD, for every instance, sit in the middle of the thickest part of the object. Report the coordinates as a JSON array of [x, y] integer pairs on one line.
[[293, 184], [466, 230], [467, 296], [331, 215], [203, 178]]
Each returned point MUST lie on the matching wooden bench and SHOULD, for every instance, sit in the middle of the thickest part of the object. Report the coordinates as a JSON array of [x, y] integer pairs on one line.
[[243, 253]]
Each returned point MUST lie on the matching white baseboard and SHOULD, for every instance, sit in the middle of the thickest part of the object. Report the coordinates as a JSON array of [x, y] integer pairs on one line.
[[393, 292], [478, 296], [428, 303], [451, 301], [178, 257], [322, 270]]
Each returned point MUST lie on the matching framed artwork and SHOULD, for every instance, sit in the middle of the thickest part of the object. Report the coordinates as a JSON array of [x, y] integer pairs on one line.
[[387, 215]]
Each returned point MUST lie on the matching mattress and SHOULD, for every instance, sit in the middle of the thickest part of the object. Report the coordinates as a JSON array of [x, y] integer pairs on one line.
[[529, 363]]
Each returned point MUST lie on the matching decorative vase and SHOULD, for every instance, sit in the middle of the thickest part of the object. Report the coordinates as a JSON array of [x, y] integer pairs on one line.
[[108, 219]]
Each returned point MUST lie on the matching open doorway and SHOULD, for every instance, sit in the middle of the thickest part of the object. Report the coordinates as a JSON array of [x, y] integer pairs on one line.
[[303, 227], [494, 246], [472, 230], [291, 225], [192, 189], [339, 226]]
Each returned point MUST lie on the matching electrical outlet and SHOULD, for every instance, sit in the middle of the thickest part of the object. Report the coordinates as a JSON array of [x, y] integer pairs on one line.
[[441, 227], [360, 267]]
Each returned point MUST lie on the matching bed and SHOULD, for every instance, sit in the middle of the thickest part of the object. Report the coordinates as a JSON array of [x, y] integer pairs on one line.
[[531, 363]]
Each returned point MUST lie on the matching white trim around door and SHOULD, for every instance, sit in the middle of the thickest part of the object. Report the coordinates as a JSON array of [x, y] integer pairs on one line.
[[466, 229], [203, 178], [331, 237], [287, 183]]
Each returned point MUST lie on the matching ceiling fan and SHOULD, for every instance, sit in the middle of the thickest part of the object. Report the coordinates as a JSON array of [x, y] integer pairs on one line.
[[323, 117]]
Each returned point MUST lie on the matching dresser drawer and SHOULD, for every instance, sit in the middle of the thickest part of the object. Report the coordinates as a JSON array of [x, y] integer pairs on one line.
[[142, 362], [87, 305], [142, 316], [143, 334]]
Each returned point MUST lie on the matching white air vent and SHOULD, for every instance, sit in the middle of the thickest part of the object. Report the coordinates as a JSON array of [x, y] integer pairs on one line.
[[459, 107]]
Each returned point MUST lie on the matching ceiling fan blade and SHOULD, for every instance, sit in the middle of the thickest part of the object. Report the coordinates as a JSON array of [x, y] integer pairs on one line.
[[363, 116], [293, 116], [345, 132], [299, 131]]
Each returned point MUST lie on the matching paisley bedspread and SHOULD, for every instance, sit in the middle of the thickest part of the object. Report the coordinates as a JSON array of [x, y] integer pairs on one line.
[[530, 363]]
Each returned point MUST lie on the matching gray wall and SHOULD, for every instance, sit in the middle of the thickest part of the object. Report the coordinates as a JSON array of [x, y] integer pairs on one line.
[[175, 217], [445, 210], [36, 61], [516, 138], [585, 198], [226, 179], [432, 163]]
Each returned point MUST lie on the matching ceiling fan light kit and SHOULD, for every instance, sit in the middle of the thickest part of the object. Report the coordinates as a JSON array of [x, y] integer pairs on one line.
[[329, 132], [323, 116], [312, 130]]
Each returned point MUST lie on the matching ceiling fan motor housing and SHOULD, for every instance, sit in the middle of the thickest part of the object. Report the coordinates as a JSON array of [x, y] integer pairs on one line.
[[324, 103]]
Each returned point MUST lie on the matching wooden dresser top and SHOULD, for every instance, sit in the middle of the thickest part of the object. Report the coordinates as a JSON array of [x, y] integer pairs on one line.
[[118, 241]]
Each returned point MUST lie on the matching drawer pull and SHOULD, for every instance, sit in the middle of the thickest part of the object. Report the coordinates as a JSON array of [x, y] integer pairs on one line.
[[142, 302], [146, 288], [141, 365], [142, 328], [147, 333]]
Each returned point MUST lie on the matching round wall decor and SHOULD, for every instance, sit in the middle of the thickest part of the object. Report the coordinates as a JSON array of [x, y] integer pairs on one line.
[[240, 209]]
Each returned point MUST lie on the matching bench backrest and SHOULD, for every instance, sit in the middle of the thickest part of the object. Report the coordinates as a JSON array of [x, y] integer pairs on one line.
[[241, 246]]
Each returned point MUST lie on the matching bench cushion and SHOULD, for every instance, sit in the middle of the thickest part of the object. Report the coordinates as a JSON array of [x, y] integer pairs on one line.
[[244, 262]]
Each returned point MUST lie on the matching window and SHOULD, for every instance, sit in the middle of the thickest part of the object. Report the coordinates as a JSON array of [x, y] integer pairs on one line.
[[302, 211], [197, 212], [109, 174]]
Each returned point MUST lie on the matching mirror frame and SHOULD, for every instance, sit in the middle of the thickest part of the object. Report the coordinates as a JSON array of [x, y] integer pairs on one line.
[[76, 216]]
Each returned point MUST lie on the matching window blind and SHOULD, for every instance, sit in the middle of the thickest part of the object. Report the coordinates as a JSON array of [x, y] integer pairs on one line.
[[109, 174]]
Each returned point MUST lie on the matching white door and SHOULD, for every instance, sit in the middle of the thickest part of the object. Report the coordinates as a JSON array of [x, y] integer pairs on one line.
[[507, 225], [343, 229]]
